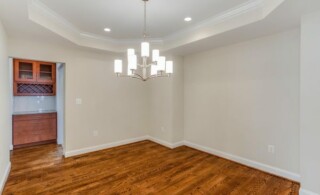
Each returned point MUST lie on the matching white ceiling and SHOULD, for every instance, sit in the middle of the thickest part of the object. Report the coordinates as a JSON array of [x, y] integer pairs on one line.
[[125, 17], [45, 21]]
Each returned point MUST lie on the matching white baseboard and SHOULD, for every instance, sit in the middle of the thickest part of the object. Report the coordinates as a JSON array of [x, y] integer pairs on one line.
[[247, 162], [103, 146], [5, 177], [306, 192], [238, 159], [119, 143], [165, 143], [178, 144]]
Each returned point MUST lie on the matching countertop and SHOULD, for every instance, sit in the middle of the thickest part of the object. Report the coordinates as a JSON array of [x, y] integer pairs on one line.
[[35, 112]]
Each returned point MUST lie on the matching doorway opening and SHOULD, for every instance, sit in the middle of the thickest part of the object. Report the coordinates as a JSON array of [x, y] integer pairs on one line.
[[38, 102]]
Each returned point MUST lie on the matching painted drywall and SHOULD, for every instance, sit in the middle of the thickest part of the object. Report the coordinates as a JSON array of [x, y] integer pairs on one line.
[[310, 104], [255, 85], [5, 108], [241, 98], [178, 100], [60, 102], [114, 107], [166, 105]]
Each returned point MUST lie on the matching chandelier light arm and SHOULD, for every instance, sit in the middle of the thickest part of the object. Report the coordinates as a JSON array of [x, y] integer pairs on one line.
[[158, 76], [138, 76], [135, 76]]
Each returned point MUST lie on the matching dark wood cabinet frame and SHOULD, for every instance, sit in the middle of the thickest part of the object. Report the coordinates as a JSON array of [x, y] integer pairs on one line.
[[37, 85]]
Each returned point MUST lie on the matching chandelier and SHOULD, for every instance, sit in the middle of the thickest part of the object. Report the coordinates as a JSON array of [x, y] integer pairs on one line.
[[149, 68]]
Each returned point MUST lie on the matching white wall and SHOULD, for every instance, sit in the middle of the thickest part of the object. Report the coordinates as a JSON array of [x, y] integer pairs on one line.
[[115, 107], [166, 105], [237, 99], [5, 108], [60, 97], [241, 98], [310, 102]]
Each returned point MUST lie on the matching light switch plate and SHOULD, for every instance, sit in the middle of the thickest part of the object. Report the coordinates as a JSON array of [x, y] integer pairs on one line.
[[78, 101]]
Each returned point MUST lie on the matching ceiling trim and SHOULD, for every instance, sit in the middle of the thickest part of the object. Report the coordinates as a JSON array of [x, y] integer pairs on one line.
[[249, 12]]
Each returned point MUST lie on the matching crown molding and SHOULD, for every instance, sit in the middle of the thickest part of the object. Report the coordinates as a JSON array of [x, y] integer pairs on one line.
[[40, 14], [247, 13], [224, 16], [244, 14]]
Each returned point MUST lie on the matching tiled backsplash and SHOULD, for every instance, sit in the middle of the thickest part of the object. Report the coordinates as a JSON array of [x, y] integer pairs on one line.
[[33, 103]]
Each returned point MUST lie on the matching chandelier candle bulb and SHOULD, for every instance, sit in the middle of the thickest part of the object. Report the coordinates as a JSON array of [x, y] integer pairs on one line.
[[145, 49], [162, 63], [154, 70], [130, 62], [169, 67], [131, 52], [133, 62], [118, 66], [129, 72], [155, 55]]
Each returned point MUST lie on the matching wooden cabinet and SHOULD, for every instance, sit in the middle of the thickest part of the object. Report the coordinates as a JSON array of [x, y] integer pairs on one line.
[[25, 71], [46, 72], [34, 78], [33, 129]]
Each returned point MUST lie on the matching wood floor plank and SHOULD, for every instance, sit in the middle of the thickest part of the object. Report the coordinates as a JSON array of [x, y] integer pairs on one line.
[[139, 168]]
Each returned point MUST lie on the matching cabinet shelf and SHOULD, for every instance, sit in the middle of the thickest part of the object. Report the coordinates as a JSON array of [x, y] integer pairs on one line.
[[45, 72], [33, 78]]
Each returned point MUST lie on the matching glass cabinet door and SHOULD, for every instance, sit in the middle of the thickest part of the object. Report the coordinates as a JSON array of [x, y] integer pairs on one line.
[[24, 70], [46, 72]]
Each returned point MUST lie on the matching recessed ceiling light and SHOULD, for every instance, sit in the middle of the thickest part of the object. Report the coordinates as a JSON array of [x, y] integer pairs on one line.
[[107, 30], [188, 19]]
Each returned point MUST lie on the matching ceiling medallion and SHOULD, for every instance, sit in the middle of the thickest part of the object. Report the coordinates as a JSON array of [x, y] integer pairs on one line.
[[149, 68]]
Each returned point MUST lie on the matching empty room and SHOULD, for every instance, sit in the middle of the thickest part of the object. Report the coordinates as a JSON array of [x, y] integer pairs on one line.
[[208, 97]]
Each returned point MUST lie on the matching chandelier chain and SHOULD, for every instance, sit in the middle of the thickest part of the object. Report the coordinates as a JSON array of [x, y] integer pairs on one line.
[[145, 20]]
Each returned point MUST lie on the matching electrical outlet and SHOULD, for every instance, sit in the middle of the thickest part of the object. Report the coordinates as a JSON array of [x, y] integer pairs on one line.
[[78, 101], [271, 149], [95, 133]]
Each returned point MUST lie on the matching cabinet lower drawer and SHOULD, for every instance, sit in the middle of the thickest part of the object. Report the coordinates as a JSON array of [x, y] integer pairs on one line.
[[29, 117], [28, 129]]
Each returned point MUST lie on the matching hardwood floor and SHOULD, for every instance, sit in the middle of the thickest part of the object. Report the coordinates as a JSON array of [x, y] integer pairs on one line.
[[139, 168]]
